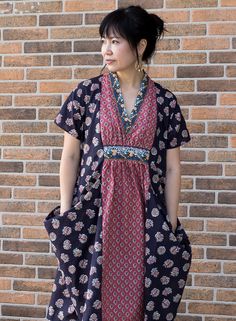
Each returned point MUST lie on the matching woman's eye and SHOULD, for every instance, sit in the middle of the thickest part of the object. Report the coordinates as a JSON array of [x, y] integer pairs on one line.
[[115, 41]]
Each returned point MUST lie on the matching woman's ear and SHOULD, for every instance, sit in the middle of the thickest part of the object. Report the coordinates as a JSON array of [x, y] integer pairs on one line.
[[142, 46]]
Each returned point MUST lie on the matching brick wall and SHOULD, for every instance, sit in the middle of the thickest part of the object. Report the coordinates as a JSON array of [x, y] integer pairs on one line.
[[47, 47]]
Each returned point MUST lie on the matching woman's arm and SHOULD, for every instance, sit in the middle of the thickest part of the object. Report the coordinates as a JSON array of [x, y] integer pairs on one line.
[[68, 170], [172, 188]]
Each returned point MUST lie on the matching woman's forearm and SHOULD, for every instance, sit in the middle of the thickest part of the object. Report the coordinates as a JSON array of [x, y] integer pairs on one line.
[[172, 193], [68, 175], [172, 188]]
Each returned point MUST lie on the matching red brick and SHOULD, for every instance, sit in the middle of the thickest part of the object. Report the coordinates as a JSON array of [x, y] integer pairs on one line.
[[42, 140], [5, 192], [17, 272], [50, 46], [43, 299], [215, 281], [9, 74], [226, 198], [42, 167], [216, 85], [202, 169], [5, 284], [174, 15], [229, 267], [27, 61], [17, 180], [68, 60], [38, 193], [38, 6], [230, 170], [87, 46], [39, 100], [24, 127], [25, 246], [74, 33], [194, 127], [18, 21], [204, 43], [57, 87], [7, 167], [46, 273], [18, 87], [197, 99], [204, 266], [89, 5], [187, 183], [222, 29], [222, 225], [46, 207], [23, 311], [39, 259], [179, 85], [192, 156], [223, 57], [231, 72], [60, 20], [17, 298], [207, 239], [212, 308], [222, 156], [202, 141], [9, 232], [180, 58], [22, 113], [11, 258], [10, 140], [215, 184], [197, 197], [49, 113], [6, 7], [222, 127], [213, 211], [190, 4], [200, 71], [25, 34], [198, 294], [226, 295], [180, 317], [49, 73], [26, 153], [192, 224], [32, 286], [35, 233], [213, 113], [84, 73], [232, 240], [198, 252], [5, 100], [214, 15], [48, 180], [14, 206], [25, 220], [227, 3]]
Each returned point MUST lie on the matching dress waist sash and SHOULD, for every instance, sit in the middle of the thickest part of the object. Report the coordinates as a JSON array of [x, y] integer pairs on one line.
[[126, 152]]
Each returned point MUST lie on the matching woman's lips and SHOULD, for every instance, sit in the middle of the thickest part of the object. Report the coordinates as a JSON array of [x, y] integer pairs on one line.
[[108, 62]]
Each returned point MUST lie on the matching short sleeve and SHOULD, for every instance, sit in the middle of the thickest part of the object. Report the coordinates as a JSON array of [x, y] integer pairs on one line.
[[177, 133], [71, 115]]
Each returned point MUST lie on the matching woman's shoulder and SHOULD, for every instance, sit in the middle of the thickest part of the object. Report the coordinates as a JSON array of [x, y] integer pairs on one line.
[[163, 91], [90, 84]]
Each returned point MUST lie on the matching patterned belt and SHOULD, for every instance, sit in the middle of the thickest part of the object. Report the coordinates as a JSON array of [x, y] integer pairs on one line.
[[126, 152]]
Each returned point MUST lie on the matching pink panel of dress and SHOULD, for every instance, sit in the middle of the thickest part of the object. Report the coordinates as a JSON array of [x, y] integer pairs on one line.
[[125, 186]]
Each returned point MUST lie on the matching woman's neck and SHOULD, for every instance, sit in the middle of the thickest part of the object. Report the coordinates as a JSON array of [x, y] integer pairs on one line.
[[130, 78]]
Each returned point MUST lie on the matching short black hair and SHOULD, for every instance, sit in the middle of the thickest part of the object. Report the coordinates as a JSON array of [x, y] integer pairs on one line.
[[133, 24]]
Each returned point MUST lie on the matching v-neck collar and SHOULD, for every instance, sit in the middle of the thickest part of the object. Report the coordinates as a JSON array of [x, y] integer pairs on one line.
[[128, 120]]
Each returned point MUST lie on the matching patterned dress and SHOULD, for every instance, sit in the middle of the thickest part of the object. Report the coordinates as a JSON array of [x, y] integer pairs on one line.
[[118, 257]]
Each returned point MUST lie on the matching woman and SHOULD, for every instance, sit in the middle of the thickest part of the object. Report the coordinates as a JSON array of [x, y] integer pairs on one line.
[[123, 254]]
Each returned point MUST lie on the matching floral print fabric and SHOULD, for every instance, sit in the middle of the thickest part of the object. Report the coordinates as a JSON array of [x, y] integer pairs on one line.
[[77, 234]]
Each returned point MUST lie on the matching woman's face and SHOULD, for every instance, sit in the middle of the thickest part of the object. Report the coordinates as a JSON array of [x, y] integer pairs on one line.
[[117, 53]]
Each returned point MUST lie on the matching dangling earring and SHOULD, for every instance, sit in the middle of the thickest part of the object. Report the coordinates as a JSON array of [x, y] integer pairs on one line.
[[139, 64]]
